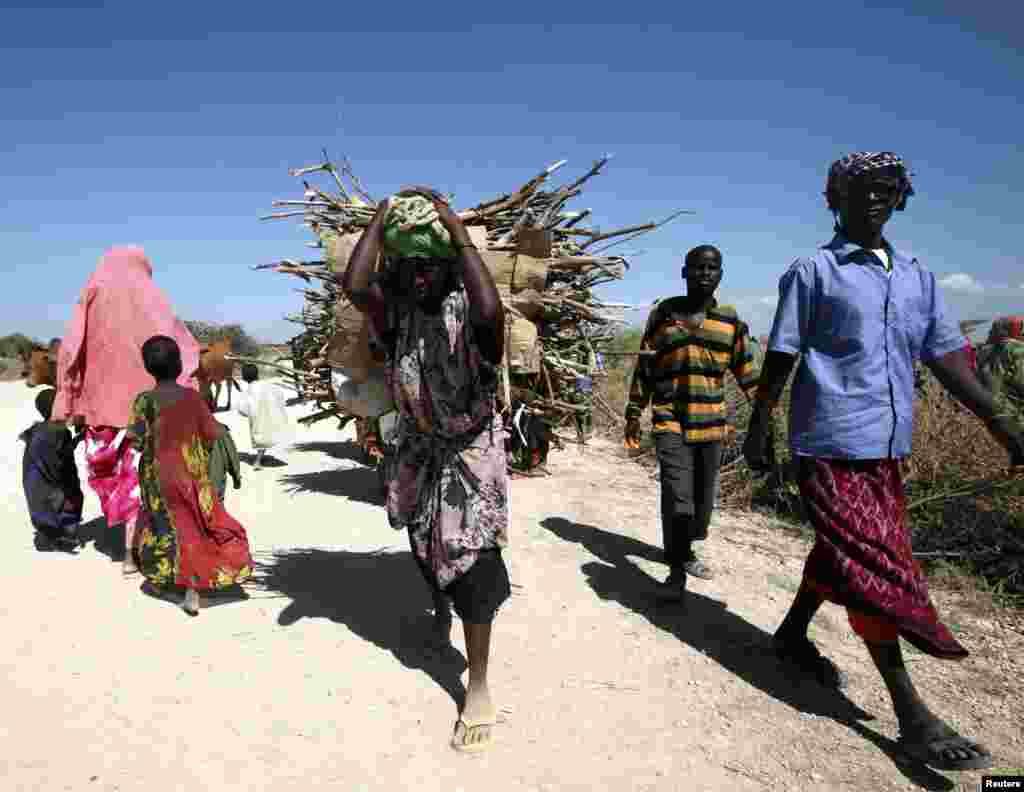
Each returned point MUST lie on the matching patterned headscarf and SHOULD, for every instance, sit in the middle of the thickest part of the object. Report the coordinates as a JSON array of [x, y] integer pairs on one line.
[[844, 170]]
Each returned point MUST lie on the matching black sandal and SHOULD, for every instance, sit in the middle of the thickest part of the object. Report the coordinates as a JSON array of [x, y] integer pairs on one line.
[[941, 748], [805, 656]]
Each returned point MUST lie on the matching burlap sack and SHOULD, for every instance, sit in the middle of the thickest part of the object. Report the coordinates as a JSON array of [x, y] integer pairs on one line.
[[535, 242], [530, 273], [527, 302], [367, 399], [515, 272], [523, 348], [349, 348], [338, 249]]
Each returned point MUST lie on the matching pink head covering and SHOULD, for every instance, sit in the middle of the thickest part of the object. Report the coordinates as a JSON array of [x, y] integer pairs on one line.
[[99, 368]]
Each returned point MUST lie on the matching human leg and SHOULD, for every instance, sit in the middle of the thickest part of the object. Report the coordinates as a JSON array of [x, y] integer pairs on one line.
[[129, 565], [923, 735], [190, 602], [676, 465], [707, 460], [793, 646], [478, 716], [477, 596]]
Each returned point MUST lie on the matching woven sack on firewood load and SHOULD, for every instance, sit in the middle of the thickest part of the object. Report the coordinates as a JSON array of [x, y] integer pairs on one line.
[[516, 272], [523, 346], [349, 347], [338, 249], [527, 302], [530, 273], [368, 399]]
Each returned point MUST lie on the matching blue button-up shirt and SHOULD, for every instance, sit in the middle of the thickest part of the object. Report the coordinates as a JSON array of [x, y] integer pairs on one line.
[[858, 329]]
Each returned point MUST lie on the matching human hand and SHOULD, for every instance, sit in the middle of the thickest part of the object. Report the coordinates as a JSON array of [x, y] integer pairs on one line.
[[631, 440], [757, 442], [1008, 434], [238, 483]]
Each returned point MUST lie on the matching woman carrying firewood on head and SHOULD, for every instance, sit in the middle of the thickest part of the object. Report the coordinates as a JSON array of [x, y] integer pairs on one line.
[[438, 322]]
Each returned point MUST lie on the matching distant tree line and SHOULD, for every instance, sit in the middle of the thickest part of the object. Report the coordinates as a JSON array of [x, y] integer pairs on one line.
[[241, 342], [16, 345]]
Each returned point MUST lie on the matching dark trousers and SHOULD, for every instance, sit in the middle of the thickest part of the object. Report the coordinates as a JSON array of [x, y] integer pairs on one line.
[[689, 484], [476, 595]]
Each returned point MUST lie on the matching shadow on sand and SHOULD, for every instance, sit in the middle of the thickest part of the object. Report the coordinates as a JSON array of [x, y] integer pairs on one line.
[[357, 483], [342, 449], [269, 461], [707, 625], [105, 540], [380, 596]]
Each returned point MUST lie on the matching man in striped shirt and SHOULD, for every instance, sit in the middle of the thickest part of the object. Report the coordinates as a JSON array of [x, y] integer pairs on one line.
[[690, 342]]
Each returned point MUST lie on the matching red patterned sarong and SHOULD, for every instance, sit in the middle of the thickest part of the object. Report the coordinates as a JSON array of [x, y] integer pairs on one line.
[[862, 557]]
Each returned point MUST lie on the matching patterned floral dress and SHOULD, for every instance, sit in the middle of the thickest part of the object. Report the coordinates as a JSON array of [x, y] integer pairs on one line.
[[185, 536], [450, 487]]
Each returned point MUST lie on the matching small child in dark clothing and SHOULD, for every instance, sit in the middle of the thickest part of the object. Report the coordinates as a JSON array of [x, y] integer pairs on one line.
[[50, 479], [223, 461]]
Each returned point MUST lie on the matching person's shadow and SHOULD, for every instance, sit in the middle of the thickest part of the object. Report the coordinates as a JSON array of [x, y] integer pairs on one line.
[[357, 484], [269, 461], [106, 541], [343, 449], [380, 596], [710, 627]]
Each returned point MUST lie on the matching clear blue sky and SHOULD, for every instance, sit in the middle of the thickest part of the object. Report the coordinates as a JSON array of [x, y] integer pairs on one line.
[[172, 125]]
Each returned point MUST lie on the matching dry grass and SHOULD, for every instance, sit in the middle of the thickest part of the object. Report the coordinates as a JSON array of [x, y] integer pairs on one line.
[[970, 539]]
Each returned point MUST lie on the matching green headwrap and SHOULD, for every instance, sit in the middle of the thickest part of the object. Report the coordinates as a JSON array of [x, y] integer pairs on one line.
[[412, 230]]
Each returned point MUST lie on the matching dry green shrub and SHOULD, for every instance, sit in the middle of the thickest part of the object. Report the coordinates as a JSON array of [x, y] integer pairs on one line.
[[963, 507], [956, 516]]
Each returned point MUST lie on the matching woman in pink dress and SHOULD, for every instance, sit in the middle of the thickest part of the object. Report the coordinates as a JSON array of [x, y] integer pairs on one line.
[[100, 371]]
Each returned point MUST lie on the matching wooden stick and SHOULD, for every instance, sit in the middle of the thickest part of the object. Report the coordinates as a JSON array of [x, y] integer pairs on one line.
[[258, 362], [505, 202], [594, 170], [310, 169], [628, 230], [599, 400], [333, 171], [347, 169], [281, 215]]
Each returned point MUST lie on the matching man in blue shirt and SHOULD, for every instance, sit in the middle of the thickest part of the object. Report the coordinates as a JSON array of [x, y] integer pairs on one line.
[[858, 314]]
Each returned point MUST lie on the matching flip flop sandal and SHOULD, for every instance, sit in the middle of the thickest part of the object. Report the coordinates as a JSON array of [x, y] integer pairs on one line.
[[462, 731], [805, 656], [932, 751]]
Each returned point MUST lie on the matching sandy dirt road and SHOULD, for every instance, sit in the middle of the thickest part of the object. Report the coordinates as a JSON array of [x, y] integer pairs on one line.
[[321, 681]]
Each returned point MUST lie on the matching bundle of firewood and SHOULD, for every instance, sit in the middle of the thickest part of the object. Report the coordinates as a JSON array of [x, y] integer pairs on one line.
[[546, 263]]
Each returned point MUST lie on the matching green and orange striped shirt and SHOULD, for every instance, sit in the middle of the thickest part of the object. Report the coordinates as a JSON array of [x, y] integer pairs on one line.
[[684, 378]]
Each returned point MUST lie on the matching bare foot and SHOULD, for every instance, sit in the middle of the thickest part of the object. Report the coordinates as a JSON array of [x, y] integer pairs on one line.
[[473, 729], [936, 744]]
